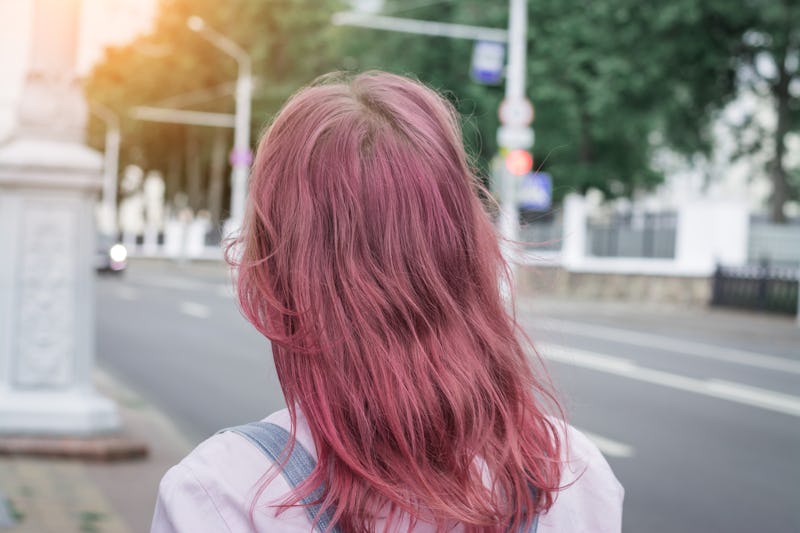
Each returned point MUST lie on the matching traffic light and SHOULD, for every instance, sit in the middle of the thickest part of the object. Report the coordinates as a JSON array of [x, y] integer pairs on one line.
[[519, 162]]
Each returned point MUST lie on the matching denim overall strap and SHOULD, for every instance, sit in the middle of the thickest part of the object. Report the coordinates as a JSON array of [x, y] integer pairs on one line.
[[534, 524], [272, 440]]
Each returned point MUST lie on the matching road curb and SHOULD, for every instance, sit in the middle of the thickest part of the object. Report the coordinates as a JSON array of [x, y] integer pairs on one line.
[[103, 448]]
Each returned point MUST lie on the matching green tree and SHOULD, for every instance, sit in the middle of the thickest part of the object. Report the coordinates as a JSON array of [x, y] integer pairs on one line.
[[289, 42], [612, 80], [769, 62]]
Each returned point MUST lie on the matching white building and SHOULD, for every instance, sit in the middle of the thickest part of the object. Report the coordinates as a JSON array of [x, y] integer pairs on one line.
[[723, 175]]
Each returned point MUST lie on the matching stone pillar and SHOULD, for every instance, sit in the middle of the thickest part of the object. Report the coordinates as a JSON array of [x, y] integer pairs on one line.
[[49, 183]]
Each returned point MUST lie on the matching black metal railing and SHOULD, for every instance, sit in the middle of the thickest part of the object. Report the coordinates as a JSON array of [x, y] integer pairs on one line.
[[763, 287]]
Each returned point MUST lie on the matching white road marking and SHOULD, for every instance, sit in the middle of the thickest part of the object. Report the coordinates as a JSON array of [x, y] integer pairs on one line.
[[715, 388], [220, 289], [609, 447], [697, 349], [173, 283], [755, 395], [127, 293], [195, 309]]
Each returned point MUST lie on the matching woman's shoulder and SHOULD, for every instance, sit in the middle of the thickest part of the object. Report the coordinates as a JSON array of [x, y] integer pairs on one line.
[[591, 496], [239, 457], [213, 487], [238, 454]]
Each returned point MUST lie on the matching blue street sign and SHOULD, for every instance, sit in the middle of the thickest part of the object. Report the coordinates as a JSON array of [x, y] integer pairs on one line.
[[488, 60], [535, 191]]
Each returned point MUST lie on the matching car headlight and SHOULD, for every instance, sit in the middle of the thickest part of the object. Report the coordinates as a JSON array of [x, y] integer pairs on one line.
[[118, 253]]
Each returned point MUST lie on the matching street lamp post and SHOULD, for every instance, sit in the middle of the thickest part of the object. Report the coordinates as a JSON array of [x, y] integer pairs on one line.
[[241, 156], [514, 92], [110, 168]]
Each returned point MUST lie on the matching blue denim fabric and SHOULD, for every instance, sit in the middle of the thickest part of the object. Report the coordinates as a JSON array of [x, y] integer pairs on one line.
[[272, 440]]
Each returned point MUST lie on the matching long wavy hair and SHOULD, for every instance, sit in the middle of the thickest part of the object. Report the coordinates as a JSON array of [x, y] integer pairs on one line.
[[368, 258]]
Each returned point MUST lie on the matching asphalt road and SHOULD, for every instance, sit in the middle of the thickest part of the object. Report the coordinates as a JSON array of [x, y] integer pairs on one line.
[[698, 412]]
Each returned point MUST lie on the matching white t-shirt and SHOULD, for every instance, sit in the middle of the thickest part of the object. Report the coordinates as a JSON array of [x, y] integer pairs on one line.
[[211, 490]]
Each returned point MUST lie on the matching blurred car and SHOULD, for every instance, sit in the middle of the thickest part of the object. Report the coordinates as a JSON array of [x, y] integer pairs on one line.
[[111, 255]]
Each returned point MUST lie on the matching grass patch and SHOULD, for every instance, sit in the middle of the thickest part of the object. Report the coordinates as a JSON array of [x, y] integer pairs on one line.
[[89, 521], [14, 512]]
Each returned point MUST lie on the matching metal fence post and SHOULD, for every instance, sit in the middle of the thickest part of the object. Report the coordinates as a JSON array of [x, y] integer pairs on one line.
[[798, 298], [716, 287], [763, 284]]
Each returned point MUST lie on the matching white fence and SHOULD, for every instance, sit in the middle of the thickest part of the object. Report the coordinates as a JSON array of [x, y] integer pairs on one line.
[[639, 234], [699, 236], [777, 244]]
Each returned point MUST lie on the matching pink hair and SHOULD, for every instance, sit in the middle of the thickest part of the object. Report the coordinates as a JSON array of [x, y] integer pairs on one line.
[[368, 260]]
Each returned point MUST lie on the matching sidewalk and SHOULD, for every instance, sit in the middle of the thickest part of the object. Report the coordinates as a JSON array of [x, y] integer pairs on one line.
[[74, 496]]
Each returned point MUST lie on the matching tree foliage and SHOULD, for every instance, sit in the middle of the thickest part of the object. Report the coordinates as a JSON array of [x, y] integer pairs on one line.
[[769, 65], [173, 67], [611, 80], [608, 80]]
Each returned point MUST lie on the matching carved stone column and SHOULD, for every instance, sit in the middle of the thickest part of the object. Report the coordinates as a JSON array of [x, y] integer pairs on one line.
[[49, 182]]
